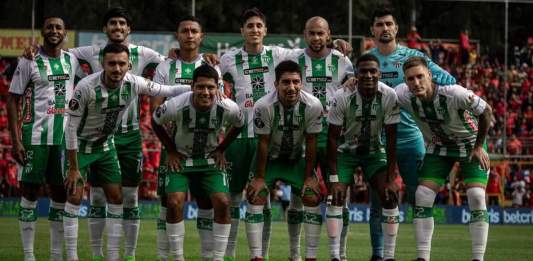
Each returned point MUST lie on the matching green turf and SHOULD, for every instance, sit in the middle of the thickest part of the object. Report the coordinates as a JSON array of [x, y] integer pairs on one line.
[[450, 242]]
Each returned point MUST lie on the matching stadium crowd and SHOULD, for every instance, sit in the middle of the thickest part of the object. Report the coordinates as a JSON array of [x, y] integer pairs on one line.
[[480, 73]]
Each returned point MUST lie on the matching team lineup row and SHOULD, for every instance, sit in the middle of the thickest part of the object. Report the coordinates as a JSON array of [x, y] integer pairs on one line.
[[284, 114]]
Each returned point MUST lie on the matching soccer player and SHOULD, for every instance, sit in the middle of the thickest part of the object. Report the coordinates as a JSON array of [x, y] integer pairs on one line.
[[197, 161], [323, 72], [189, 35], [286, 121], [361, 115], [44, 85], [454, 122], [410, 144], [93, 114]]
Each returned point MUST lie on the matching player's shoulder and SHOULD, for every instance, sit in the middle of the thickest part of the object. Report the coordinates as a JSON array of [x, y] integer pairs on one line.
[[230, 54], [267, 100], [408, 52], [385, 89], [337, 53], [451, 90], [402, 91], [89, 82], [309, 99], [180, 101], [227, 104]]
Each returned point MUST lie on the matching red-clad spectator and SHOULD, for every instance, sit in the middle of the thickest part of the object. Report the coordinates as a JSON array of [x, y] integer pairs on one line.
[[464, 44], [514, 146], [494, 188], [414, 39]]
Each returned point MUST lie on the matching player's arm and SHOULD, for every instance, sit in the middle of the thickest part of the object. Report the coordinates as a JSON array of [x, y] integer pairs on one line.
[[391, 120], [312, 128], [257, 184], [164, 113], [147, 87], [76, 106], [336, 121], [160, 77]]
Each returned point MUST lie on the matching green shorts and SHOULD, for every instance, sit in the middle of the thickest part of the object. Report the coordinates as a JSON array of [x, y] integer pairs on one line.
[[437, 169], [104, 167], [129, 152], [201, 180], [46, 163], [162, 172], [288, 171], [240, 155], [371, 164], [322, 137]]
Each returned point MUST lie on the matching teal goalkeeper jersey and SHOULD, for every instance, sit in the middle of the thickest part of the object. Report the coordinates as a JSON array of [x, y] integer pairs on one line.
[[408, 134]]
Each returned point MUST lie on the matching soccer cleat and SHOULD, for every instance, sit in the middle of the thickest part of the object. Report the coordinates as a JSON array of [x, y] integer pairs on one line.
[[419, 259], [390, 259], [295, 258], [129, 258], [344, 258], [229, 258], [29, 257], [335, 259], [98, 258], [376, 258]]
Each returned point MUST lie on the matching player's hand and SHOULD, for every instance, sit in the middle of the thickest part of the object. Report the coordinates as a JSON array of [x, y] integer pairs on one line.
[[312, 184], [480, 155], [443, 79], [30, 52], [220, 160], [211, 58], [254, 189], [173, 53], [19, 153], [350, 84], [338, 193], [343, 46], [174, 160], [71, 181]]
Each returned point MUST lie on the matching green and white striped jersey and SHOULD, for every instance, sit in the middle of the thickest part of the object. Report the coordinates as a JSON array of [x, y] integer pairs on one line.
[[250, 77], [287, 127], [140, 58], [197, 131], [323, 77], [94, 109], [449, 122], [363, 119], [47, 84], [180, 72]]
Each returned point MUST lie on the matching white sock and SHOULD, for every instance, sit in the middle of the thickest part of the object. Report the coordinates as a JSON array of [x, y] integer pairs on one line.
[[254, 229], [344, 233], [162, 238], [204, 224], [295, 216], [334, 227], [423, 220], [390, 224], [479, 225], [70, 227], [55, 218], [267, 228], [96, 220], [27, 219], [236, 200], [114, 230], [312, 227], [220, 240], [131, 219], [176, 233]]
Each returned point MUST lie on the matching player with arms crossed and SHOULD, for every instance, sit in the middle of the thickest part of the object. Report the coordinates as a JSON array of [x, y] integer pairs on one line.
[[197, 161], [98, 103], [410, 144], [286, 121], [361, 115], [45, 85], [455, 123]]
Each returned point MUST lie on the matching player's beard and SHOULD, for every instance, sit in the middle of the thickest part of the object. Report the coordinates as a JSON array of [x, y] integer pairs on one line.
[[54, 45]]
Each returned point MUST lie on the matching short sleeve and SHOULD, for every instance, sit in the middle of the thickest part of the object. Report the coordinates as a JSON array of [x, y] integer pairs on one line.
[[313, 121], [262, 120], [163, 115], [467, 100], [21, 77], [236, 118], [336, 109], [161, 74], [391, 108], [79, 100]]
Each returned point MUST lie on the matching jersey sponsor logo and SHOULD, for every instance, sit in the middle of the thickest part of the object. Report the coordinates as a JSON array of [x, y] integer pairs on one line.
[[58, 77], [249, 104], [388, 75], [183, 81], [258, 83], [319, 79], [263, 69], [59, 89], [73, 104], [53, 110]]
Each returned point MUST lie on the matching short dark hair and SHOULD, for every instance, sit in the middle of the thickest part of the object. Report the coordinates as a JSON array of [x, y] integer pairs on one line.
[[206, 71], [287, 66], [118, 11], [381, 11], [414, 61], [50, 16], [115, 48], [366, 58], [192, 19], [251, 13]]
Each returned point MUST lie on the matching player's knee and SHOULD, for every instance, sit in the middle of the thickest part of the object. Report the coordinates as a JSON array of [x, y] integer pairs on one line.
[[296, 202], [130, 197], [476, 198], [58, 193], [174, 201], [425, 196], [29, 190], [97, 197], [220, 201], [311, 200]]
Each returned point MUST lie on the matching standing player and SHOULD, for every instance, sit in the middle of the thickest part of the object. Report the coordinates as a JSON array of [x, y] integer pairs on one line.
[[189, 35], [410, 144], [286, 121], [98, 103], [361, 115], [44, 85], [323, 71], [455, 123], [197, 161]]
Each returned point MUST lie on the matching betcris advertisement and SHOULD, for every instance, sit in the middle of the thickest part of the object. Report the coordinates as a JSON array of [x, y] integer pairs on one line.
[[358, 213]]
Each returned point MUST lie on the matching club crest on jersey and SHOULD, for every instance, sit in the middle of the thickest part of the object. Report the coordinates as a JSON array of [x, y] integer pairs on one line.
[[332, 69], [397, 64], [73, 104]]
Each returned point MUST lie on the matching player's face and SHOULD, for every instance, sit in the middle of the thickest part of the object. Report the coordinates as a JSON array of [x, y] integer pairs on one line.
[[317, 36], [254, 30], [418, 79], [368, 75], [117, 29], [384, 29], [289, 86], [204, 92], [189, 35], [116, 65], [53, 31]]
